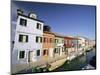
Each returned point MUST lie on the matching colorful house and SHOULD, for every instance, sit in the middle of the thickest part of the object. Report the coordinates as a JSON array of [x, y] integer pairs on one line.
[[59, 45], [92, 43], [34, 41], [79, 44], [83, 43], [48, 43], [70, 46], [28, 39]]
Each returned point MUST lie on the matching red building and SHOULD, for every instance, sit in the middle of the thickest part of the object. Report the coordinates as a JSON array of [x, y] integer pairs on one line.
[[70, 45], [68, 42]]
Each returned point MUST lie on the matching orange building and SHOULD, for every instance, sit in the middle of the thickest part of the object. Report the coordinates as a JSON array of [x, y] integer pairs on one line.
[[48, 43]]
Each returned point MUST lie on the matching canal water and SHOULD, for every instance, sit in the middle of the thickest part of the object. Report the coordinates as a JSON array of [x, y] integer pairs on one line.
[[77, 63]]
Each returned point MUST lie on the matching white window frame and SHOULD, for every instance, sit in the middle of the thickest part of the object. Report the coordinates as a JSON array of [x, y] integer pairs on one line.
[[19, 54], [24, 37], [40, 26], [24, 21], [39, 39]]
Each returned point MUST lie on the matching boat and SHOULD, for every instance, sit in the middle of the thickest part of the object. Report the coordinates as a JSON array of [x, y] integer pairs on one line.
[[88, 50]]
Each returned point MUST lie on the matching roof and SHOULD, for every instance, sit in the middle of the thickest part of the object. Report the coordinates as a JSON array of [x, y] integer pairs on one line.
[[48, 32], [30, 18], [82, 37], [59, 35], [74, 38], [68, 37]]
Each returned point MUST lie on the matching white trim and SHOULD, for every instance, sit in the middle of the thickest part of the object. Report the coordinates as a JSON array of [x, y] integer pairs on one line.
[[19, 53]]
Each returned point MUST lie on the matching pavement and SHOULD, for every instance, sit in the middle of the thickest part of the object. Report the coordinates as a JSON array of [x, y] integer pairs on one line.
[[40, 63]]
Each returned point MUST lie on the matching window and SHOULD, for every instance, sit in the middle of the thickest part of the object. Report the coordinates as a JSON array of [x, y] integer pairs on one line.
[[55, 50], [47, 40], [70, 42], [22, 54], [62, 41], [38, 26], [38, 39], [44, 40], [59, 51], [56, 40], [23, 22], [38, 53], [44, 52], [23, 38], [63, 50], [66, 41], [50, 40]]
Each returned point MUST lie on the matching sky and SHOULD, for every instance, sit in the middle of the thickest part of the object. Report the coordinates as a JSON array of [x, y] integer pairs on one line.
[[66, 19]]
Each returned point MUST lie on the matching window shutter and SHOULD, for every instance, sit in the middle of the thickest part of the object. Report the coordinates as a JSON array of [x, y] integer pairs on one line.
[[41, 39], [20, 38], [36, 39], [27, 38]]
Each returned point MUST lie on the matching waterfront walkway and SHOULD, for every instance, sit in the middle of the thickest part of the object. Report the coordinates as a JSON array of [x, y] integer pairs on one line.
[[53, 62], [40, 63]]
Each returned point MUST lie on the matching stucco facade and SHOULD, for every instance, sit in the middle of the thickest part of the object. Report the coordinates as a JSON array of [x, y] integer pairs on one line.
[[48, 44], [25, 42], [69, 45], [59, 46], [83, 43]]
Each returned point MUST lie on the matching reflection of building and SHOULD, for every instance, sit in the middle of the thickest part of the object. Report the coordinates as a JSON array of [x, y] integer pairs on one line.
[[28, 39], [59, 45], [48, 42]]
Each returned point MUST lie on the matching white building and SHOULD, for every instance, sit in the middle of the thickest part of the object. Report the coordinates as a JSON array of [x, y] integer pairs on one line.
[[83, 43], [28, 39], [59, 45]]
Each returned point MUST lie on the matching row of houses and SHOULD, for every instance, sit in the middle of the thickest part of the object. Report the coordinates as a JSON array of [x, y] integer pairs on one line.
[[35, 41]]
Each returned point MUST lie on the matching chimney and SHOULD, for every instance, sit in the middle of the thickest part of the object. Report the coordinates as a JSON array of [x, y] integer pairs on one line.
[[32, 15], [20, 11], [47, 28]]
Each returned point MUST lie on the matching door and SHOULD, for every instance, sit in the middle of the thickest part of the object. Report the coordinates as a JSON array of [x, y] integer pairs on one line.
[[30, 56]]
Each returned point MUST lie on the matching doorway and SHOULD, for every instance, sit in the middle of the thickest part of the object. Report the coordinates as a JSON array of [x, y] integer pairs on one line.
[[30, 56]]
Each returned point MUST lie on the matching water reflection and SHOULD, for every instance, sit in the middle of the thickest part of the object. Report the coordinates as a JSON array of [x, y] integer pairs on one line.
[[77, 63]]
